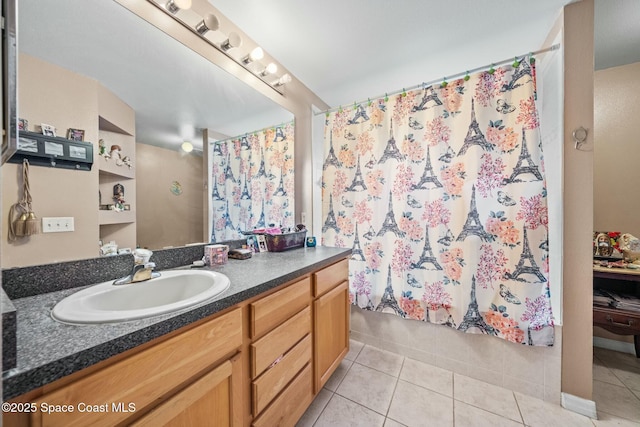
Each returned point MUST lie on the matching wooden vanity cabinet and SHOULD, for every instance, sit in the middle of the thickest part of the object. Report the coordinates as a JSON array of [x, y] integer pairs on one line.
[[331, 320], [184, 376], [281, 357], [259, 364]]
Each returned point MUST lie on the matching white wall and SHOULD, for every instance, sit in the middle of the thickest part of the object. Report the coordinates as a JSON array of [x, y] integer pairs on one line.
[[441, 59], [317, 159]]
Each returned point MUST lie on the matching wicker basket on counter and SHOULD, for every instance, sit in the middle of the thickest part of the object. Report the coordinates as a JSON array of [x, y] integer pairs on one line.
[[283, 242]]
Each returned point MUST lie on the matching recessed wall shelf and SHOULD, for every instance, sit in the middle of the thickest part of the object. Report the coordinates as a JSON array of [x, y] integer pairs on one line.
[[113, 217]]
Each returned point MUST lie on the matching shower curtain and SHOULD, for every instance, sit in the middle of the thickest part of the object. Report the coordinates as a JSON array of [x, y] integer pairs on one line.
[[440, 192], [252, 182]]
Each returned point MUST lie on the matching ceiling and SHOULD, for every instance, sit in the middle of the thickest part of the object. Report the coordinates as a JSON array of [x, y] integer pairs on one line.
[[617, 33], [174, 91], [344, 51], [350, 50]]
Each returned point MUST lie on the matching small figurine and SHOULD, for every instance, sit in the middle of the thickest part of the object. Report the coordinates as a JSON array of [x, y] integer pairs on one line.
[[115, 153], [102, 149], [118, 197]]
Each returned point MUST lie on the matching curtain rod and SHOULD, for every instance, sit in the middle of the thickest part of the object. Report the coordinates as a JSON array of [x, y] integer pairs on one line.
[[220, 141], [454, 76]]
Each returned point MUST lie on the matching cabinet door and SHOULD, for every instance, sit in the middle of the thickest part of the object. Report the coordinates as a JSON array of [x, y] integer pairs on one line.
[[212, 400], [331, 332], [146, 376]]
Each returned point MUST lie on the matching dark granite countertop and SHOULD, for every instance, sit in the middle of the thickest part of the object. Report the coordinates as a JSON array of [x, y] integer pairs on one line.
[[48, 350]]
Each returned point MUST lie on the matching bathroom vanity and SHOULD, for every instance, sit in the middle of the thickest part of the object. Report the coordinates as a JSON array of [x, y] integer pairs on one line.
[[256, 356]]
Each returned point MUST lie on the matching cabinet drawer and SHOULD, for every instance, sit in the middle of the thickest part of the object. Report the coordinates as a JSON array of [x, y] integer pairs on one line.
[[145, 376], [270, 311], [618, 321], [287, 408], [331, 276], [269, 384], [277, 342]]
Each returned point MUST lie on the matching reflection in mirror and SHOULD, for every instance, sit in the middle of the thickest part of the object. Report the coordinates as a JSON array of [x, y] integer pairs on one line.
[[253, 183], [93, 65]]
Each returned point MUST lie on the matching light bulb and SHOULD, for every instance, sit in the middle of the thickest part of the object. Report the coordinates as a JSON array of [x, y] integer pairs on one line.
[[234, 40], [255, 55], [209, 23], [271, 68], [187, 147], [283, 80], [183, 4], [174, 6]]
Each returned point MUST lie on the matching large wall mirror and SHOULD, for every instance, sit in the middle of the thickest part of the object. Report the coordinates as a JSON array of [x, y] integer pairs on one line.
[[94, 65]]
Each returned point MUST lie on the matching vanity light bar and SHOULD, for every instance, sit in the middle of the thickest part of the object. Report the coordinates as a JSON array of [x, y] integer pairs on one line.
[[179, 11]]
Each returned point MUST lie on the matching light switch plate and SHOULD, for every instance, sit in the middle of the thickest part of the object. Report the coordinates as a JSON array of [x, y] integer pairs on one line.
[[57, 224]]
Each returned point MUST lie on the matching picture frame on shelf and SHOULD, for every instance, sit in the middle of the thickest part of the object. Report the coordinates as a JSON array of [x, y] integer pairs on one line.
[[252, 243], [262, 243], [75, 134], [47, 130]]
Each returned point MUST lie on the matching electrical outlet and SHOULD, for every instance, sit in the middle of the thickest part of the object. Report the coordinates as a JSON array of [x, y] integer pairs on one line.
[[57, 224], [303, 218]]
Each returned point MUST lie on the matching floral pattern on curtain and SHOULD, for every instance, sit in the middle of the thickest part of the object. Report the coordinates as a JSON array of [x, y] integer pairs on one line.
[[441, 194], [252, 182]]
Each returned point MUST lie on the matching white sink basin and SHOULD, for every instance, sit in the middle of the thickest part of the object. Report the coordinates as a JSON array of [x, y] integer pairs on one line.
[[172, 291]]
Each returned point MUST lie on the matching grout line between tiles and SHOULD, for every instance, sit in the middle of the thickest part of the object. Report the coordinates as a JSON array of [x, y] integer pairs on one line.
[[395, 387], [377, 370], [353, 401], [621, 380], [453, 408], [453, 396], [485, 409], [518, 406], [617, 416], [323, 409], [344, 376], [360, 404]]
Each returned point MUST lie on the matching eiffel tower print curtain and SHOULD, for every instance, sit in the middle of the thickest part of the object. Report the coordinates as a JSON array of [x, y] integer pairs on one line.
[[441, 194], [252, 182]]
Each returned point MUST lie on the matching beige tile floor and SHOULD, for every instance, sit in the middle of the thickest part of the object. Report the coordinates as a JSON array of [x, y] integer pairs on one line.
[[374, 387]]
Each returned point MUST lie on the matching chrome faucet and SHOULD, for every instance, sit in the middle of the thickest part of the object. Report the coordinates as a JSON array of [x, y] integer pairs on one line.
[[140, 273]]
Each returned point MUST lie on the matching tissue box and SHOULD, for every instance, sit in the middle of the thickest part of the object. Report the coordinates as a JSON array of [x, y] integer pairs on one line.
[[216, 254]]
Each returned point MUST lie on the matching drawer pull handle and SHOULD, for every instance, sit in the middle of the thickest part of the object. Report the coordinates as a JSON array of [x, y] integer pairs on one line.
[[275, 362], [624, 325]]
